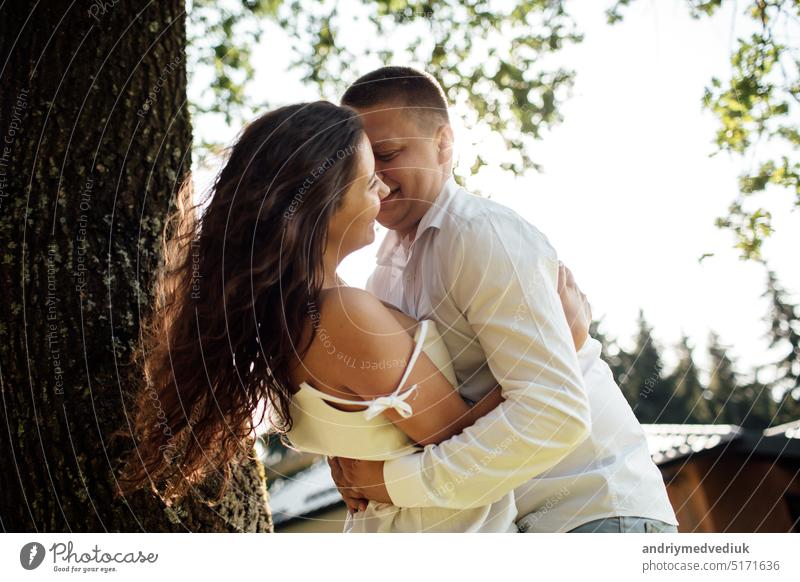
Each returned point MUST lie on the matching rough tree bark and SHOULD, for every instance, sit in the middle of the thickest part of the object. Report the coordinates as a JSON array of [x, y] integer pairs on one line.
[[94, 139]]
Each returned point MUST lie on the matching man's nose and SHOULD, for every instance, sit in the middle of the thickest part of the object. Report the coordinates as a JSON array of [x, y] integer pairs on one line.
[[381, 176], [380, 166], [384, 177]]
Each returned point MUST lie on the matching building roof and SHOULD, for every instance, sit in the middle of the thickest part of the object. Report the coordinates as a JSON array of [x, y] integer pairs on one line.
[[312, 489], [671, 442], [668, 442], [790, 430], [305, 492]]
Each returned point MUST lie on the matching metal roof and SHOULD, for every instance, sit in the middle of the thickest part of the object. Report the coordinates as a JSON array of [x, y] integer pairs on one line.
[[313, 489], [790, 430], [304, 492], [668, 442]]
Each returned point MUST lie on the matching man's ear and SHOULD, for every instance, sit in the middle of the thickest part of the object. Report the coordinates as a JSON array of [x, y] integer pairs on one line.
[[444, 139]]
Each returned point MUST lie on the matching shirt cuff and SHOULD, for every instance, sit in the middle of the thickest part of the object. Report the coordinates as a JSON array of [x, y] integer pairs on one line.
[[403, 480]]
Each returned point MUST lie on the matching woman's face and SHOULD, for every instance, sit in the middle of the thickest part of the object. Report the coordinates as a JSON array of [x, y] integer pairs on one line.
[[353, 225]]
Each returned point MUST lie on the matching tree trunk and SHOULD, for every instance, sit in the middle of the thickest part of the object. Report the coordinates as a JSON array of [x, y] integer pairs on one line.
[[94, 140]]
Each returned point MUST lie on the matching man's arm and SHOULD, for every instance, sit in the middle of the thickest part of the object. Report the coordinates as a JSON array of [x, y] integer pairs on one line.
[[503, 276]]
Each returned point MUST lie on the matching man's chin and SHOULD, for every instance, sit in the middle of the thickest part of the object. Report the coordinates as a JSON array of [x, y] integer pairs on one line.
[[387, 220]]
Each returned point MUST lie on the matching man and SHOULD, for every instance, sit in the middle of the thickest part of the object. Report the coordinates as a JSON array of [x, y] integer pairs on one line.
[[565, 440]]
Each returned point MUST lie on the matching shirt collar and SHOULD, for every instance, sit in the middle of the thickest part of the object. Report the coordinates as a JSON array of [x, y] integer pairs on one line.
[[392, 252]]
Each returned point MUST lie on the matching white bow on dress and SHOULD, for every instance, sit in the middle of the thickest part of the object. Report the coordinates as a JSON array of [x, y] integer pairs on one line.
[[396, 401]]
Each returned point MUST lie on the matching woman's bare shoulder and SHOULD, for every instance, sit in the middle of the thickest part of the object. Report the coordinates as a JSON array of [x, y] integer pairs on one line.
[[346, 305], [336, 322], [353, 324], [350, 306]]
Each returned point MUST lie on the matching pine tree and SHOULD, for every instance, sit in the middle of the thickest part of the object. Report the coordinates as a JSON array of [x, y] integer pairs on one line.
[[784, 333], [613, 354], [723, 384], [691, 397], [643, 382], [762, 409]]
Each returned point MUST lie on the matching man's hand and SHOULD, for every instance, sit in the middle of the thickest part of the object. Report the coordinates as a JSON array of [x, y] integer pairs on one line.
[[359, 481], [576, 306]]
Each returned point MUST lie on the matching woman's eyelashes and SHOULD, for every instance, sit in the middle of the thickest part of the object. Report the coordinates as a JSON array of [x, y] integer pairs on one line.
[[386, 156]]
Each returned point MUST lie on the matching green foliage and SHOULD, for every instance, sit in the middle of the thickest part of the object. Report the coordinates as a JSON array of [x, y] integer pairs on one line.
[[493, 59], [784, 334], [221, 37], [617, 358], [643, 381], [681, 397], [760, 409], [697, 8], [724, 383], [692, 399], [486, 58], [489, 57], [757, 110]]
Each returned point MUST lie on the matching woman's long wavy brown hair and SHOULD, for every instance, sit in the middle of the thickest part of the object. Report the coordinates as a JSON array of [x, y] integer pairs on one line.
[[232, 297]]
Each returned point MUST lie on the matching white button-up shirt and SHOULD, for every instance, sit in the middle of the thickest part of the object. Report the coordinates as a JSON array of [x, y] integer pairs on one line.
[[564, 439]]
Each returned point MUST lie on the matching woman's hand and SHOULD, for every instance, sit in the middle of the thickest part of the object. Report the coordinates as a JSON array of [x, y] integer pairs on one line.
[[576, 306]]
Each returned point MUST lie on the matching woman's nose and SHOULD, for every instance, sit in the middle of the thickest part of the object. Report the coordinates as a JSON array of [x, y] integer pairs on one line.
[[383, 189]]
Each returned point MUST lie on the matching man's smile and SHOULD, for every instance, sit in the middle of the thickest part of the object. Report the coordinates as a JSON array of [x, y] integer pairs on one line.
[[391, 196]]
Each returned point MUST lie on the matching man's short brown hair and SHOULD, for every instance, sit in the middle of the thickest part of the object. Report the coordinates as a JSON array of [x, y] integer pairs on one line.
[[403, 87]]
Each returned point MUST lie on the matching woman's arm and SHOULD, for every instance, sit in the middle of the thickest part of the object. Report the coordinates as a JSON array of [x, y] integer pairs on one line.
[[354, 478], [357, 348], [361, 341]]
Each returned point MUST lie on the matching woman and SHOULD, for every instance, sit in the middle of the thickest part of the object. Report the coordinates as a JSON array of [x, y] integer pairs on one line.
[[249, 309]]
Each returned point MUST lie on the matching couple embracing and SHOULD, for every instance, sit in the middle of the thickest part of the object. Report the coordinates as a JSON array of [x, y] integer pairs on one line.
[[460, 392]]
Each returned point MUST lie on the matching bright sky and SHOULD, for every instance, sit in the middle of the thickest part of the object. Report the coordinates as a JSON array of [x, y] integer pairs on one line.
[[629, 193]]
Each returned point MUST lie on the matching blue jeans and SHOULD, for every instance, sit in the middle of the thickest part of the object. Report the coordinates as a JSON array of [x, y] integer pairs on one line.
[[626, 524]]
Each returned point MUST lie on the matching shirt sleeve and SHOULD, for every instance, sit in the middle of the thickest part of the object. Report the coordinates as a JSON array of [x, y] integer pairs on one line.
[[503, 277]]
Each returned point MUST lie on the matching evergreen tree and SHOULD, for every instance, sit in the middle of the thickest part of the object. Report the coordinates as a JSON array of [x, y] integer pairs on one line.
[[690, 396], [761, 409], [613, 354], [784, 333], [723, 384], [643, 382]]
